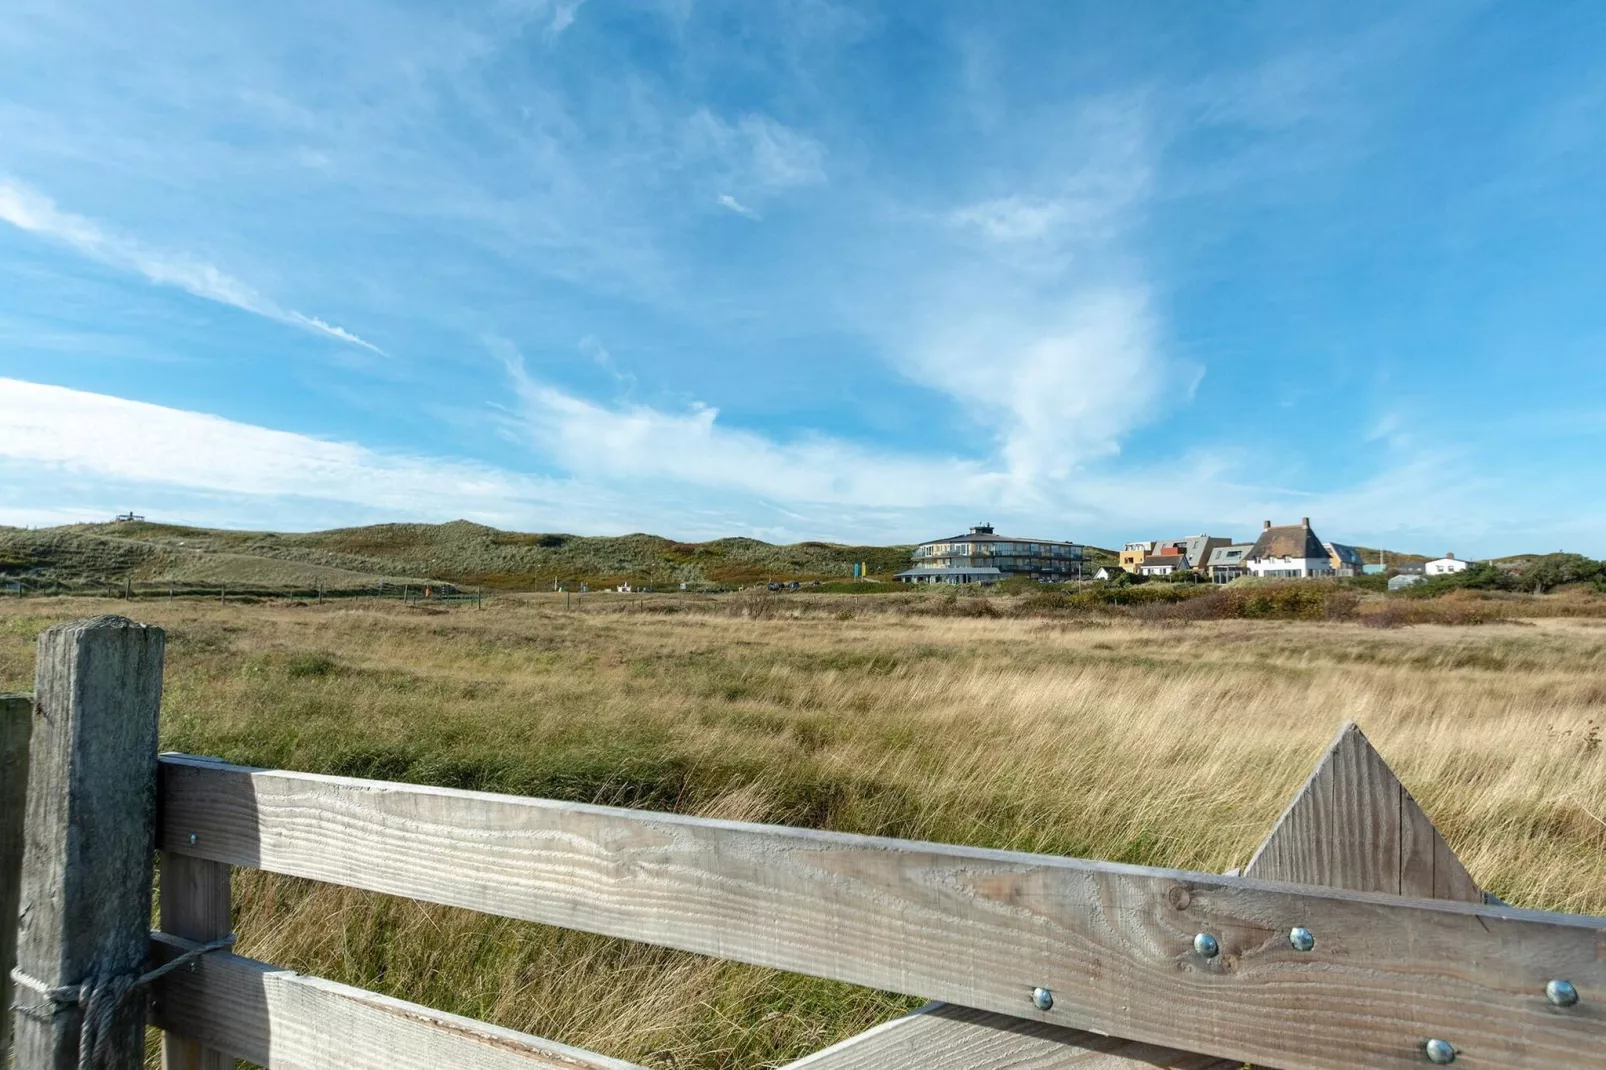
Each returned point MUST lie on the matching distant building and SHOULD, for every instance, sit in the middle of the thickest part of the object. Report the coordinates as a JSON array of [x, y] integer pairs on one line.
[[1109, 572], [1133, 553], [1226, 563], [1444, 566], [1346, 560], [1289, 552], [983, 556], [1401, 582], [1195, 550], [1198, 548], [1162, 564]]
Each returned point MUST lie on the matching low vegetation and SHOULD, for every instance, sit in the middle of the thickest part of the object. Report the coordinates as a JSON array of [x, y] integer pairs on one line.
[[1141, 730], [460, 552]]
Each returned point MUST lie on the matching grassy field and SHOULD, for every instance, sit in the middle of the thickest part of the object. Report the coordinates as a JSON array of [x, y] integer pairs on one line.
[[1159, 741]]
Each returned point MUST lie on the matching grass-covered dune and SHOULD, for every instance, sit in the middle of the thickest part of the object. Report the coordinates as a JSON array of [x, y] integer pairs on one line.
[[458, 552], [1159, 740]]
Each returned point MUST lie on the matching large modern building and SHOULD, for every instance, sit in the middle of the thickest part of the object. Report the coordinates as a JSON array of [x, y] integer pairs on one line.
[[982, 556]]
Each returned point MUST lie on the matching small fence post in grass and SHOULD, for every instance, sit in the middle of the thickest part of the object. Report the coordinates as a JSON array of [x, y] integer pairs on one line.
[[85, 900], [15, 721]]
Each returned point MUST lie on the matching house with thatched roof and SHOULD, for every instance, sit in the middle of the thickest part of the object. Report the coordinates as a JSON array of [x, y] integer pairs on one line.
[[1289, 552]]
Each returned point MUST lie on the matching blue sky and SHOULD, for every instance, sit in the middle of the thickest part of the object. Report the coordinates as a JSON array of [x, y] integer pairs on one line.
[[802, 269]]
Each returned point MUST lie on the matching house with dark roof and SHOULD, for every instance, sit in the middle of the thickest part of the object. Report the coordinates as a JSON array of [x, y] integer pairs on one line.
[[1347, 560], [1162, 564], [1226, 563], [983, 556], [1289, 552]]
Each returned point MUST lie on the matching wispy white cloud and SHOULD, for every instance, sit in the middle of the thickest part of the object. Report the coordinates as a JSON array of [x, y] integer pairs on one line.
[[639, 444], [753, 158], [563, 13], [31, 211], [738, 207], [594, 349], [58, 430], [1011, 219]]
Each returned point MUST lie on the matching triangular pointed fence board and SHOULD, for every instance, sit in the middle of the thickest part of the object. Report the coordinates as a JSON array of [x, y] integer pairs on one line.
[[944, 1037], [1352, 826]]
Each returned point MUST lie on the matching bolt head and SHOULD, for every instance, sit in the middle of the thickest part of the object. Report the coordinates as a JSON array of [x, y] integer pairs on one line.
[[1440, 1051], [1206, 945], [1561, 993], [1301, 938], [1042, 999]]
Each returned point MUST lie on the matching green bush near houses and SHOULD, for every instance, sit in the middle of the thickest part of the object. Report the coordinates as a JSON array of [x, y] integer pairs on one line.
[[1481, 576], [1558, 570]]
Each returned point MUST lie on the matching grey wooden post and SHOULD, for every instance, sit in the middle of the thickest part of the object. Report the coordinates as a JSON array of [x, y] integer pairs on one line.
[[90, 833], [15, 721], [195, 905]]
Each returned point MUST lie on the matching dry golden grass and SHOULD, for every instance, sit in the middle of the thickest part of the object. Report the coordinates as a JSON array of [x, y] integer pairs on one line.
[[1160, 743]]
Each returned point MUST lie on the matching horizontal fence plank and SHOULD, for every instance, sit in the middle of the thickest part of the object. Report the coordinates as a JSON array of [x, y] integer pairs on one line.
[[968, 926], [943, 1037], [277, 1018]]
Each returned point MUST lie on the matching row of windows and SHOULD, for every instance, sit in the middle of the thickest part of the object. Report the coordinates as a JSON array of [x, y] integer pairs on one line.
[[995, 549], [1003, 564]]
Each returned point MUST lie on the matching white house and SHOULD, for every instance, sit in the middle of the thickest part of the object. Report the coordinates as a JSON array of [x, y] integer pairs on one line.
[[1162, 564], [1288, 552], [1444, 566]]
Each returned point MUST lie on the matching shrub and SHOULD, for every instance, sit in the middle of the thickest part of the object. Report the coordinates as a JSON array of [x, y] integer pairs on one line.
[[1297, 600], [1555, 570], [1481, 576]]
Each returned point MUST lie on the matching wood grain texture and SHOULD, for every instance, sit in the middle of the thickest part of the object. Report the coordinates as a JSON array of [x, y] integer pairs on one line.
[[1354, 826], [1350, 781], [968, 926], [196, 904], [281, 1020], [16, 714], [87, 856], [944, 1037]]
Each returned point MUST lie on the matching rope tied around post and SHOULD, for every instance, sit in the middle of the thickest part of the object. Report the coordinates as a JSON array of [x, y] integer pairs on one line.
[[100, 998]]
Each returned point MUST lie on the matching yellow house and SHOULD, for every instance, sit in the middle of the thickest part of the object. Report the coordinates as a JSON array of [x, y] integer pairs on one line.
[[1133, 553]]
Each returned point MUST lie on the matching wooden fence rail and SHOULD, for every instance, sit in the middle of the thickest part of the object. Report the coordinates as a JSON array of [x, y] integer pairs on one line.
[[1039, 962]]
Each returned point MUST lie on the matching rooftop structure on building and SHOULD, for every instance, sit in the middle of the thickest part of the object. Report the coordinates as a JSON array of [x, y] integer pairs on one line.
[[984, 556]]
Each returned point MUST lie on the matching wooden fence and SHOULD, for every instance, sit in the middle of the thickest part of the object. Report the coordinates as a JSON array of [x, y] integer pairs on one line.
[[1354, 938]]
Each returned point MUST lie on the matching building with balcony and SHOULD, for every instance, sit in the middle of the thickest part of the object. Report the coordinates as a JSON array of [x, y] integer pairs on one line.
[[983, 556]]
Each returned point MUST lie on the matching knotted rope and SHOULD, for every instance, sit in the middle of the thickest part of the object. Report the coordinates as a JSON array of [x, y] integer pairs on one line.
[[99, 999]]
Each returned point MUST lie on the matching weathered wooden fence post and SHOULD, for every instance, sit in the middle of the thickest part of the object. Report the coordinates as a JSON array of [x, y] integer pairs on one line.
[[89, 842], [196, 906], [15, 722]]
